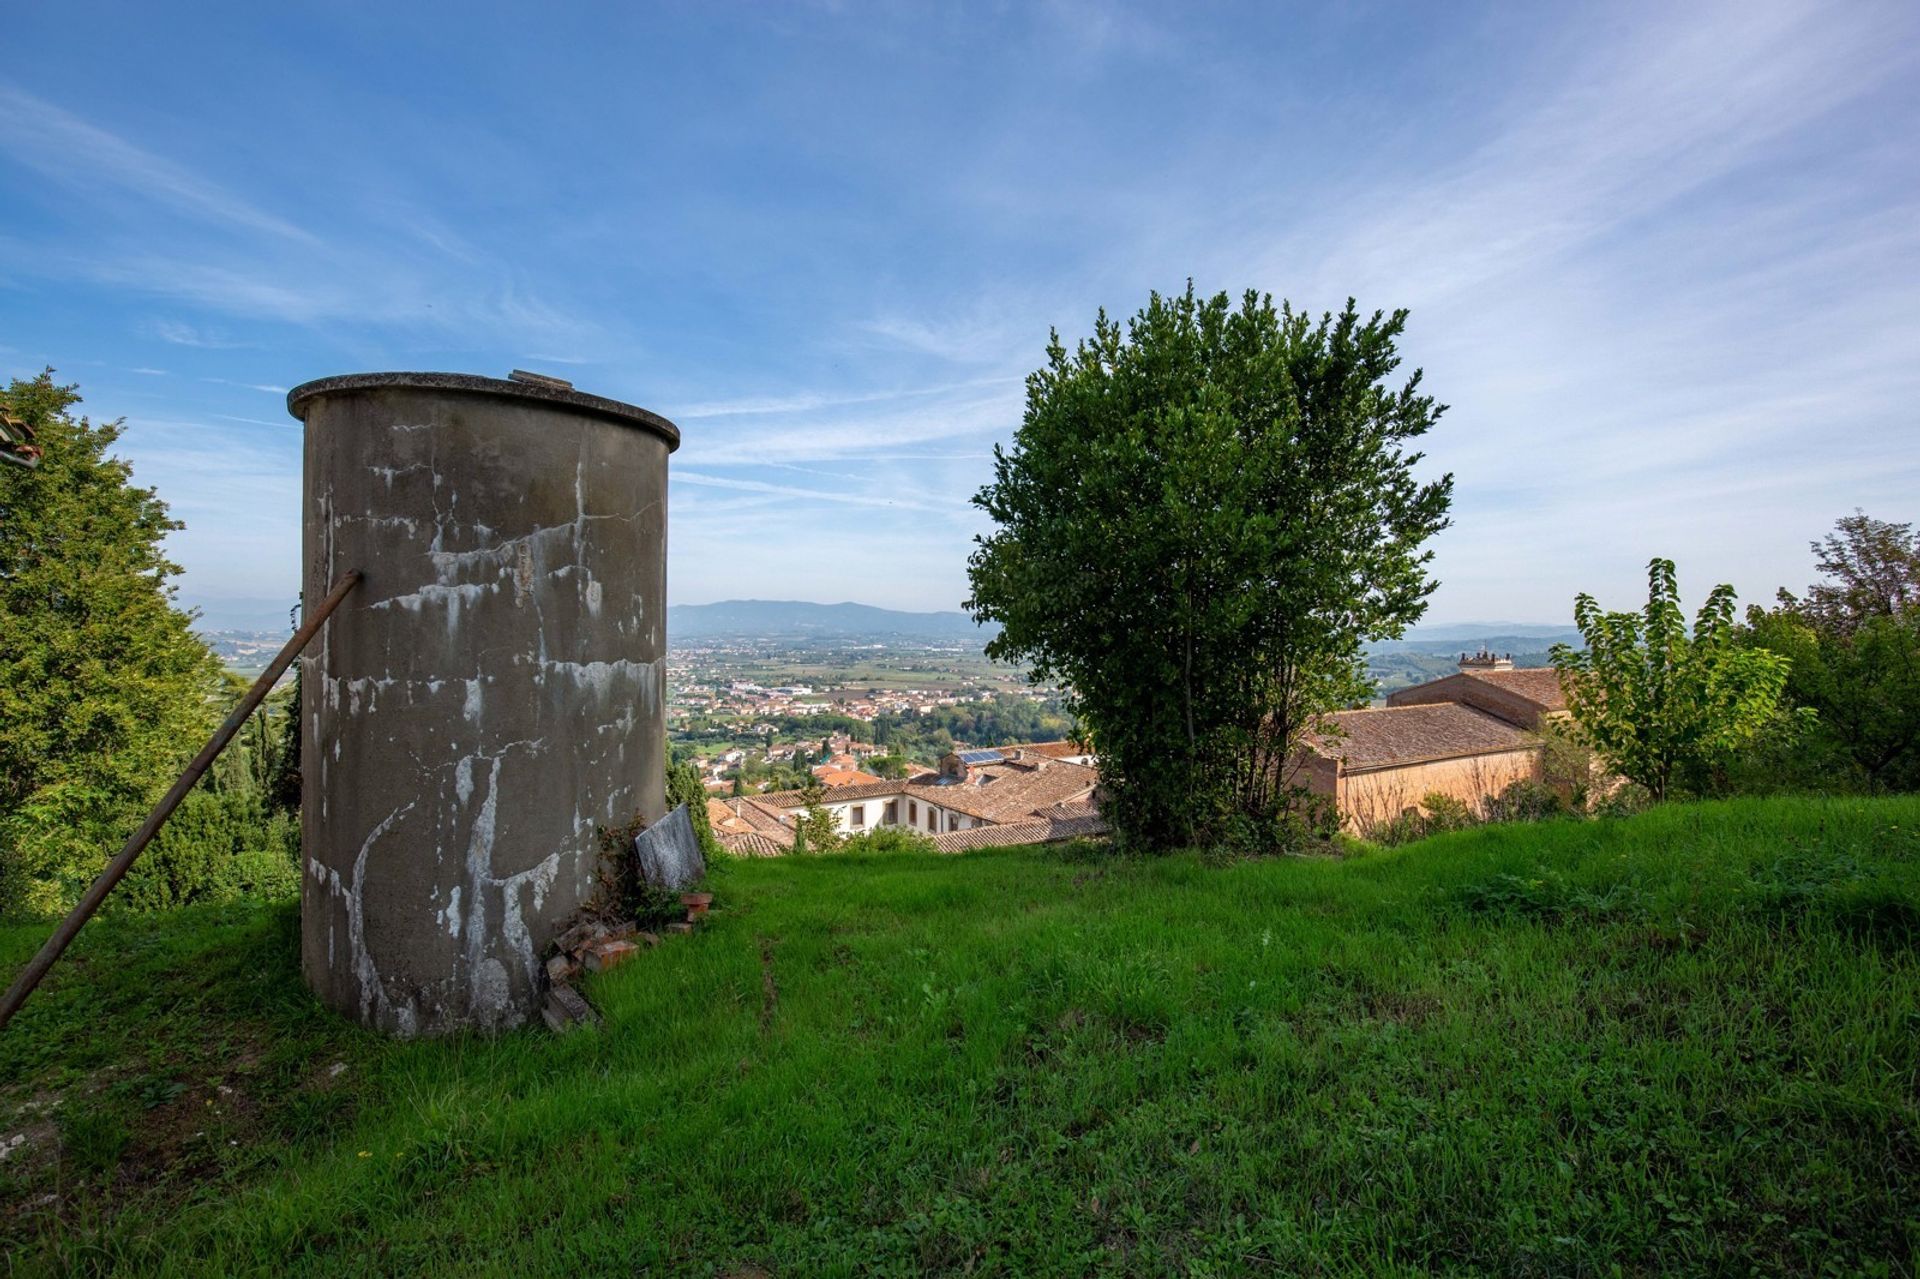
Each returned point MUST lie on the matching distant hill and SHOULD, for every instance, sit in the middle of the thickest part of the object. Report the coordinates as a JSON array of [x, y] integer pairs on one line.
[[1476, 632], [1464, 637], [799, 619]]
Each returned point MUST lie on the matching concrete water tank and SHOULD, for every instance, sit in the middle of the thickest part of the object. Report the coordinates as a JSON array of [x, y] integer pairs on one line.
[[489, 695]]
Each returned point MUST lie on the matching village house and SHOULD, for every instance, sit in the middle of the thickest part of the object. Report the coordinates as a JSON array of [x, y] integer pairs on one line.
[[1468, 736], [976, 799]]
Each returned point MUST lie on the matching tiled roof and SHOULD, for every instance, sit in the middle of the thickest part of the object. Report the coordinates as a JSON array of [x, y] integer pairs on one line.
[[863, 790], [751, 845], [1053, 750], [1409, 734], [752, 816], [993, 792], [1539, 685], [1010, 834], [720, 816], [1007, 792], [837, 778]]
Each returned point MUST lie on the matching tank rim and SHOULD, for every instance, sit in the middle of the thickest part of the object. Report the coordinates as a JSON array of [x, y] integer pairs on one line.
[[474, 384]]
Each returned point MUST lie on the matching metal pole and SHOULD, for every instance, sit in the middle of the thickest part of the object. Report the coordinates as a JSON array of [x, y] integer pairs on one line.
[[117, 868]]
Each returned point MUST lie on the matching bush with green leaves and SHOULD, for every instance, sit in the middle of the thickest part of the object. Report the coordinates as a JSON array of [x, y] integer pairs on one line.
[[685, 787], [1205, 514], [217, 847], [1526, 800], [815, 829], [1663, 704], [888, 839]]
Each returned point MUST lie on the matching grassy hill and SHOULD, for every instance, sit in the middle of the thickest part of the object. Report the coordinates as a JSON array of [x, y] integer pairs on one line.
[[1685, 1042]]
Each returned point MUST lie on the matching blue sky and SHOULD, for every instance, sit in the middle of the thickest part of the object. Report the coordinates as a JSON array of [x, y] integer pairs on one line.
[[1663, 260]]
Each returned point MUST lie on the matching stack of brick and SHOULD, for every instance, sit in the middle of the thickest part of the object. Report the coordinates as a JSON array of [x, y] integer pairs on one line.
[[595, 946]]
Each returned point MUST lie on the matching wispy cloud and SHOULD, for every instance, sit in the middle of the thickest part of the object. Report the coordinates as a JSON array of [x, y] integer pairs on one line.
[[182, 334], [813, 401], [69, 150], [248, 386], [901, 501]]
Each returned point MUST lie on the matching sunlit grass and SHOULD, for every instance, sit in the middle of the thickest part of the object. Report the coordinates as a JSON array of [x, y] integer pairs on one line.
[[1683, 1042]]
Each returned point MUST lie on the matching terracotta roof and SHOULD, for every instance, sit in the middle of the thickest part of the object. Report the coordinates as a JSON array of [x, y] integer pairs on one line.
[[1540, 685], [753, 816], [994, 792], [1007, 792], [1391, 735], [1040, 830], [862, 790], [720, 817], [837, 778], [753, 846], [1053, 750]]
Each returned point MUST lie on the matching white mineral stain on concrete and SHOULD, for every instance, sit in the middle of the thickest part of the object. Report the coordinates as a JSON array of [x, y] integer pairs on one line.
[[373, 995]]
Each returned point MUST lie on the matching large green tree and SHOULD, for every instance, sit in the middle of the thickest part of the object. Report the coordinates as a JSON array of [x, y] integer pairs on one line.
[[1854, 643], [1204, 515], [1665, 705], [1871, 570], [104, 688]]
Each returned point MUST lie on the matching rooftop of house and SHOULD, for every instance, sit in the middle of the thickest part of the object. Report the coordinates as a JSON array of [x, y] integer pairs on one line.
[[1539, 685], [1008, 790], [836, 778], [1389, 735], [1038, 830]]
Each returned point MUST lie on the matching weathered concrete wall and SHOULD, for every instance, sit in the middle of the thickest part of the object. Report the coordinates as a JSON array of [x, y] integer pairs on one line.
[[490, 693]]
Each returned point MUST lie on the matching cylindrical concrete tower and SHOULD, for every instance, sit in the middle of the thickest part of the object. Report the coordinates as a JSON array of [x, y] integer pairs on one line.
[[491, 692]]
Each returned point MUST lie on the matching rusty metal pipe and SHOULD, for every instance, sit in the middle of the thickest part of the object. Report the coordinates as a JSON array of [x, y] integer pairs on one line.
[[117, 868]]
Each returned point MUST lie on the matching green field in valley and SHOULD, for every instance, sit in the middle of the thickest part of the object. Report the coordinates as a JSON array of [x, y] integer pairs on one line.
[[1678, 1043]]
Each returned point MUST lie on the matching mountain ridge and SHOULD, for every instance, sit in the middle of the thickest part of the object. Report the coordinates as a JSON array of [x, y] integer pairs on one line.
[[846, 619]]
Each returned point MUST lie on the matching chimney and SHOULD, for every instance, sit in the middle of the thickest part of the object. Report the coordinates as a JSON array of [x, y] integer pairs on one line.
[[1485, 661]]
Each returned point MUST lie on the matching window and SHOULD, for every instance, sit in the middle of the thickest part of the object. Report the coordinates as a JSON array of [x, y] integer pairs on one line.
[[933, 819], [859, 814], [893, 813], [913, 812]]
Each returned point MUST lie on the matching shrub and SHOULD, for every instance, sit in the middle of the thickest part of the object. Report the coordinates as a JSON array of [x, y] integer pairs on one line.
[[1442, 813], [623, 893], [215, 848], [888, 839], [1525, 800], [685, 787], [1622, 800]]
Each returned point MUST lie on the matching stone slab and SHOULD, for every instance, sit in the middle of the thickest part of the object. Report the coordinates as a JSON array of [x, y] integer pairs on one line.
[[669, 853]]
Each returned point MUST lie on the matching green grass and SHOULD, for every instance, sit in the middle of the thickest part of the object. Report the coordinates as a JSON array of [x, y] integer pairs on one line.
[[1683, 1043]]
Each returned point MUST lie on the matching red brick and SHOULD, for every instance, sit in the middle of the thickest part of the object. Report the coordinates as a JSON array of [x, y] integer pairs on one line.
[[607, 954]]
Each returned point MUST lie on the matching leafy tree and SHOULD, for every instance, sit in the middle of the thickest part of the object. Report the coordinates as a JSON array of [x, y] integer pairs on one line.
[[104, 689], [1854, 645], [891, 766], [1203, 518], [814, 828], [1872, 569], [283, 781], [1662, 705]]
